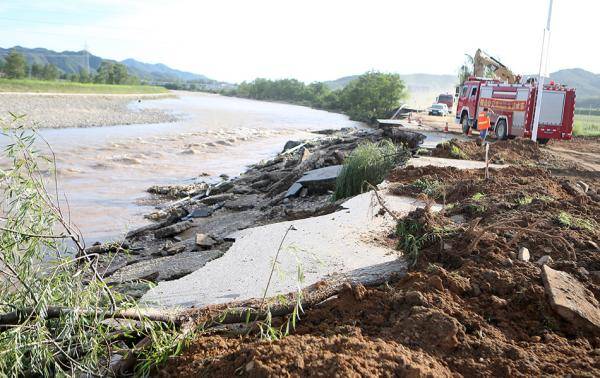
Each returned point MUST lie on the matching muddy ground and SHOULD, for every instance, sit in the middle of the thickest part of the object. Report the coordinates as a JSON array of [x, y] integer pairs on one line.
[[472, 303]]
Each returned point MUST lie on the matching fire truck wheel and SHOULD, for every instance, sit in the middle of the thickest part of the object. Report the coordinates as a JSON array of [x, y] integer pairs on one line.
[[465, 125], [543, 141], [501, 130]]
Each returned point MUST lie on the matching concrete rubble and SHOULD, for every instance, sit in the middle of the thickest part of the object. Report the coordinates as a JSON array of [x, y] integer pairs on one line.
[[242, 273], [571, 300]]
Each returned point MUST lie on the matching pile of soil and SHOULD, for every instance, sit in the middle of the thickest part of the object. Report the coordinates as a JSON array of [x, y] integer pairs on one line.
[[515, 151], [468, 306]]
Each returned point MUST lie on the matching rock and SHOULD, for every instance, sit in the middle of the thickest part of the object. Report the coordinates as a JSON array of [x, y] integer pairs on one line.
[[339, 156], [165, 268], [304, 155], [458, 219], [200, 212], [544, 260], [574, 190], [524, 254], [217, 198], [107, 248], [294, 190], [507, 263], [571, 300], [291, 144], [221, 187], [436, 282], [242, 190], [176, 248], [172, 230], [243, 203], [320, 180], [260, 184], [585, 187], [498, 302], [415, 298], [205, 241]]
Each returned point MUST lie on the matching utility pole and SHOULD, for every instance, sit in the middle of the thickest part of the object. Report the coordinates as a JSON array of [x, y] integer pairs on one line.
[[543, 72], [87, 58]]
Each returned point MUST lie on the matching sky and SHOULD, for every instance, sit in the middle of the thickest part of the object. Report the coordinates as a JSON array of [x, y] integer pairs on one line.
[[232, 40]]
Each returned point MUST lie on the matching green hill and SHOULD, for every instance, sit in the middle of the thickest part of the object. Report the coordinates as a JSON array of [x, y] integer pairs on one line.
[[423, 88], [73, 61]]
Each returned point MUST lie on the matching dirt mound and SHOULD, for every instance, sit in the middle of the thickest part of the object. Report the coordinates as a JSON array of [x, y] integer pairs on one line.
[[516, 151], [469, 306]]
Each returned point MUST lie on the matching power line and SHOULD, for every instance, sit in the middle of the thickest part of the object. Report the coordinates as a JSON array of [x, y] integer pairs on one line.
[[72, 24]]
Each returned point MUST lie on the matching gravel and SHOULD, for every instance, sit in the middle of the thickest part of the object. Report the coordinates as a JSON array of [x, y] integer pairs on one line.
[[79, 110]]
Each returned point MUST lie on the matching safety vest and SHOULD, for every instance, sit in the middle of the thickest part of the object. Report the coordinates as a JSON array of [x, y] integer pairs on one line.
[[483, 122]]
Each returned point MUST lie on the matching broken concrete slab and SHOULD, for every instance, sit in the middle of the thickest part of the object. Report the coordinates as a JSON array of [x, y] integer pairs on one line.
[[164, 268], [205, 241], [243, 203], [217, 198], [335, 244], [294, 190], [172, 230], [571, 300], [200, 212], [320, 180]]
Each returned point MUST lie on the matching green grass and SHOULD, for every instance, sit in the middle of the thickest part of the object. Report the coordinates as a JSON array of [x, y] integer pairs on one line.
[[586, 125], [39, 86], [569, 221], [369, 163]]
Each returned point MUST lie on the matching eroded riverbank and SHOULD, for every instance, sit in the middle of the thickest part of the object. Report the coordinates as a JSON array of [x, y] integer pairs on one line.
[[105, 171]]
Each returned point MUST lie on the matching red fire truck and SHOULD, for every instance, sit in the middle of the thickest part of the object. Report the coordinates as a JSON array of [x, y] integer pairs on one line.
[[512, 108]]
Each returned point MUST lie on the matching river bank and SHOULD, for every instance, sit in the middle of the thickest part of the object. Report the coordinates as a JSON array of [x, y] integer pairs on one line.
[[65, 110], [471, 298], [212, 135]]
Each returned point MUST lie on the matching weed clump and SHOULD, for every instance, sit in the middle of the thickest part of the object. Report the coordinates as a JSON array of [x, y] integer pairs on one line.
[[569, 221], [432, 188], [369, 163], [457, 153]]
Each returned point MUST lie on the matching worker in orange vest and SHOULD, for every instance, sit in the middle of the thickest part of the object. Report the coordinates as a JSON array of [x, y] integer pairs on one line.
[[483, 124]]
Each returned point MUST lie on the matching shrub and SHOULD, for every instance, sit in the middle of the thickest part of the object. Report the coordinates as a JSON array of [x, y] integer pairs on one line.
[[369, 163]]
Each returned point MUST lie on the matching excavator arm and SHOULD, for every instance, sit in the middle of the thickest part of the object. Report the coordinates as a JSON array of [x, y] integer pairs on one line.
[[501, 72]]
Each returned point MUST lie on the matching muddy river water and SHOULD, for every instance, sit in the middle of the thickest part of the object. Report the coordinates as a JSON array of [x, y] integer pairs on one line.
[[104, 171]]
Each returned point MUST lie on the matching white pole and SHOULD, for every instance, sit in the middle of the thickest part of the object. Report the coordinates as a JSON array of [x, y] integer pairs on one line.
[[541, 75]]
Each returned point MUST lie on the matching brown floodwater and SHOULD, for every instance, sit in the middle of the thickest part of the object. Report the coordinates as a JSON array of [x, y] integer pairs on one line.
[[105, 171]]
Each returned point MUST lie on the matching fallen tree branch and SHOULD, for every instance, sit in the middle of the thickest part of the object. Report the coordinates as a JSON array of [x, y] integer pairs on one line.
[[52, 312]]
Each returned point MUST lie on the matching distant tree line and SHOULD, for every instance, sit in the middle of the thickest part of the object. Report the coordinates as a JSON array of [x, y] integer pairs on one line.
[[372, 95], [15, 66]]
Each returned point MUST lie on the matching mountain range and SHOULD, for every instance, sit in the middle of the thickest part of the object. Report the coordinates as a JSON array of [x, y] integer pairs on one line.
[[423, 88], [69, 62]]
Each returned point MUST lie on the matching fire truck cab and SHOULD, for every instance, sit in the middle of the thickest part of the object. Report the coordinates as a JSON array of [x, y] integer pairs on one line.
[[512, 108]]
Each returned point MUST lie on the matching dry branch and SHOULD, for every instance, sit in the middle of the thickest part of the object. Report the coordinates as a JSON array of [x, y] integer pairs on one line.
[[17, 317]]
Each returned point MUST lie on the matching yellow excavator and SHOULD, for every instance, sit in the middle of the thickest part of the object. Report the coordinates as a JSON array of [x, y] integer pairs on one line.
[[483, 61]]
